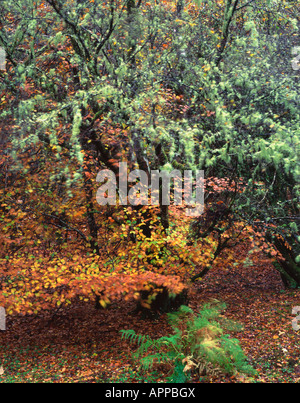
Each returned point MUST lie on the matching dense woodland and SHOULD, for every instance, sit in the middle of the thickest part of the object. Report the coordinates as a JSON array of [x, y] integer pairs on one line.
[[147, 293]]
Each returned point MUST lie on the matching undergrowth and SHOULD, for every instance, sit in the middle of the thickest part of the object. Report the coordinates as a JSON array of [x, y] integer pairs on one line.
[[197, 345]]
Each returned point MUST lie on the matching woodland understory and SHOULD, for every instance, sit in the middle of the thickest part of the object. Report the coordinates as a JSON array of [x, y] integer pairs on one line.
[[82, 344], [105, 283]]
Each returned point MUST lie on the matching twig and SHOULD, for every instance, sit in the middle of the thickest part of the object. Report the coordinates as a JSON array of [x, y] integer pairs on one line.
[[65, 225]]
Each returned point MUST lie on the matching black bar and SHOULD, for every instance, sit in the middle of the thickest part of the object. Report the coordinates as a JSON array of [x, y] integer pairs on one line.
[[151, 391]]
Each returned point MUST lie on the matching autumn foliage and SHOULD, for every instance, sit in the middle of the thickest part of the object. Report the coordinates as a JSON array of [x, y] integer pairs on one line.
[[94, 84]]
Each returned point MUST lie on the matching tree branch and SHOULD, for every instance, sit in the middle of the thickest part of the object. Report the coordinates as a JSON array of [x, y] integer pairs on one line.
[[65, 225]]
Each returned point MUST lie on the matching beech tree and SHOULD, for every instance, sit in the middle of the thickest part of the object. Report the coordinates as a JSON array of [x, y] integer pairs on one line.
[[169, 85]]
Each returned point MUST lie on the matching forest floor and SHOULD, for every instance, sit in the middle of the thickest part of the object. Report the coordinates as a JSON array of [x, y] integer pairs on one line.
[[81, 344]]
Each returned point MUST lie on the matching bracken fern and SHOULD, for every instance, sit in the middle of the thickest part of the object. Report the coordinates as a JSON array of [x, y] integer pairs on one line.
[[197, 344]]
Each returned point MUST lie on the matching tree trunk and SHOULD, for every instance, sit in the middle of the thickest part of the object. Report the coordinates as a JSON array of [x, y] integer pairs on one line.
[[288, 268]]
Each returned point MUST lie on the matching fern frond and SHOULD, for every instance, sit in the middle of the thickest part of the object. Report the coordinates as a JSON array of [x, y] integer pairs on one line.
[[199, 336], [128, 335], [133, 337]]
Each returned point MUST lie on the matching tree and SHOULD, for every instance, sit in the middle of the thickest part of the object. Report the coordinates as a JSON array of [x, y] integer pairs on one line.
[[90, 84]]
